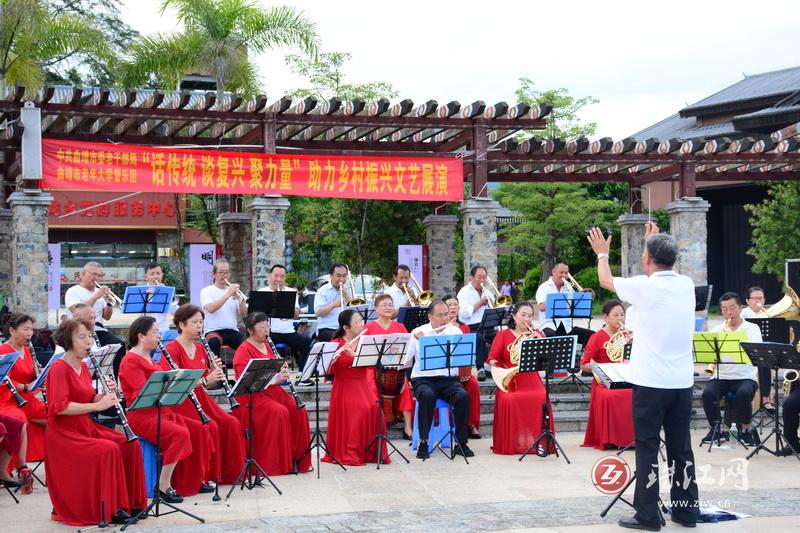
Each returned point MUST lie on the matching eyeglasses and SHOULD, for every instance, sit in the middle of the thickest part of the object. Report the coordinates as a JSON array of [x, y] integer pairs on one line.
[[223, 271]]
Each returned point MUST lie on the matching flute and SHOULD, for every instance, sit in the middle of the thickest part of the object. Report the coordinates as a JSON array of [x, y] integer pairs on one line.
[[192, 396]]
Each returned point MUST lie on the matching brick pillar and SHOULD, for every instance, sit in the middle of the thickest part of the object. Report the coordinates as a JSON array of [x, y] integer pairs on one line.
[[5, 259], [234, 232], [29, 264], [632, 226], [480, 235], [268, 214], [440, 231], [688, 226]]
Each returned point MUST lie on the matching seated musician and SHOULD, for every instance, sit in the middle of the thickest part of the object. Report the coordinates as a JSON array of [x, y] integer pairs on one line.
[[610, 422], [465, 374], [400, 289], [328, 302], [740, 379], [518, 412], [280, 429], [755, 304], [14, 444], [383, 325], [430, 385], [473, 300], [223, 307], [93, 473], [555, 284], [791, 420]]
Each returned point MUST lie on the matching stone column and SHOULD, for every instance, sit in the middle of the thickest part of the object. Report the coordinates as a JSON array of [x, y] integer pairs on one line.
[[480, 235], [632, 226], [5, 259], [440, 231], [29, 265], [268, 214], [234, 232], [688, 226]]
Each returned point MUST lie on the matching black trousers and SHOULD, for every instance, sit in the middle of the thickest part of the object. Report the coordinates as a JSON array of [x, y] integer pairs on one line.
[[428, 390], [671, 409], [325, 334], [482, 344], [791, 418], [106, 338], [764, 381], [299, 343], [230, 337], [743, 389]]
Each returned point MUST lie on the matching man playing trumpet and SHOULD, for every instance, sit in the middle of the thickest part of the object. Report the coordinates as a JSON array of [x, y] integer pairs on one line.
[[401, 292], [223, 305]]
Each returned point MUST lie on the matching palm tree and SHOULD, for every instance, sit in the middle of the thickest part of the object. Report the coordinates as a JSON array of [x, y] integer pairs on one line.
[[31, 36], [217, 38]]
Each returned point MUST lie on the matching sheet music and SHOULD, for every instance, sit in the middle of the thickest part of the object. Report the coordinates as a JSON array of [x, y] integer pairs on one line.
[[395, 343], [43, 376], [616, 372], [244, 372], [323, 363]]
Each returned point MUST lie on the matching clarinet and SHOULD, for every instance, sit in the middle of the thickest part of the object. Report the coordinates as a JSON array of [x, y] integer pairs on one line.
[[212, 359], [129, 434], [37, 368], [297, 399], [15, 393], [192, 396]]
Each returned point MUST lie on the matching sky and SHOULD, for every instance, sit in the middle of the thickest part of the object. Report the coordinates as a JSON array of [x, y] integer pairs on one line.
[[642, 60]]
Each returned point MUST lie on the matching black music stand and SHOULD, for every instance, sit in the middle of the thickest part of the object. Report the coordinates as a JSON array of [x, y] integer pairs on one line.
[[774, 330], [318, 365], [711, 348], [163, 389], [367, 311], [570, 306], [662, 509], [274, 304], [413, 317], [546, 354], [447, 352], [256, 376], [381, 351], [149, 299], [775, 356], [493, 317]]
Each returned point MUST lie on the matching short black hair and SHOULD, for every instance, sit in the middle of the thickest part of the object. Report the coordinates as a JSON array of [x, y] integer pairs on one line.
[[15, 320], [141, 325], [730, 296], [254, 318], [273, 267], [751, 290], [151, 265], [400, 267], [474, 270], [432, 306], [334, 266]]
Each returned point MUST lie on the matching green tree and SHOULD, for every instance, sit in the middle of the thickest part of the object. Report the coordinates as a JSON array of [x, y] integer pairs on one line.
[[219, 38], [563, 121], [776, 228], [325, 74]]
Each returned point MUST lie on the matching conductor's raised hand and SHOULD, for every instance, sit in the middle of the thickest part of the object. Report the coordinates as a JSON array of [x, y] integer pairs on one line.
[[650, 229], [599, 243]]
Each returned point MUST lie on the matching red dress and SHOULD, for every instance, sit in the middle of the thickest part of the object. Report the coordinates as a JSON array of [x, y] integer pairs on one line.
[[517, 413], [227, 459], [474, 391], [282, 432], [352, 415], [91, 470], [610, 410], [183, 439], [22, 373]]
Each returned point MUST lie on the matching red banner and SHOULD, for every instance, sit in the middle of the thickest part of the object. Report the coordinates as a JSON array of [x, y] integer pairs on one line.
[[108, 209], [121, 167]]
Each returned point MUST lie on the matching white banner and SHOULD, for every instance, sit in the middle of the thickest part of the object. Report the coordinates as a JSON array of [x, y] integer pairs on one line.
[[201, 262], [412, 255]]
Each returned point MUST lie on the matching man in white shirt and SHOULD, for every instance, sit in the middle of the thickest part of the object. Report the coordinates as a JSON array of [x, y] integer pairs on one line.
[[739, 379], [473, 300], [661, 371], [281, 330], [429, 385], [154, 276], [328, 302], [556, 284], [755, 304], [402, 275], [223, 308]]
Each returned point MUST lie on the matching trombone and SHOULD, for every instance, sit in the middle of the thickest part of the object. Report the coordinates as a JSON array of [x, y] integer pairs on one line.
[[239, 294], [576, 286], [116, 301], [424, 298], [501, 300], [354, 301]]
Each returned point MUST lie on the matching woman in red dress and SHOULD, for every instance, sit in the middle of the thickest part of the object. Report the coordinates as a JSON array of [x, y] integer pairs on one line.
[[353, 412], [93, 473], [281, 429], [470, 383], [14, 443], [227, 459], [384, 325], [610, 422], [518, 412], [19, 330], [185, 444]]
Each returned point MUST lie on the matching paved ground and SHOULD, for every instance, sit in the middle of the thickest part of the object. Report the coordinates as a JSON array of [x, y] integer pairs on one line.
[[492, 493]]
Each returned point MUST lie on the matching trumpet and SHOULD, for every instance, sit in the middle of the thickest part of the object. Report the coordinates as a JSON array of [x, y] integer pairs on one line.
[[239, 294], [192, 396], [37, 369], [576, 286], [123, 419], [789, 378], [115, 300], [212, 361], [424, 298], [615, 346], [297, 401]]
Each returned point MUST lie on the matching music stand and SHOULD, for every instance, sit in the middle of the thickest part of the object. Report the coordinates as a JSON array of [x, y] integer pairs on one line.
[[148, 299], [711, 348], [381, 351], [274, 304], [163, 389], [546, 354], [569, 305], [446, 352], [257, 376], [702, 297], [493, 317], [318, 364], [773, 330], [40, 381], [367, 311], [775, 356], [412, 317]]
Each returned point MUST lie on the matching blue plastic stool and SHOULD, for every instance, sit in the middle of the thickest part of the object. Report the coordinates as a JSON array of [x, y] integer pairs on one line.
[[699, 322], [150, 465], [437, 430]]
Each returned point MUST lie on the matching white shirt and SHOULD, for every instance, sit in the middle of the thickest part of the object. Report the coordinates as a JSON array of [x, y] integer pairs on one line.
[[282, 325], [413, 350], [398, 296], [78, 295], [468, 296], [661, 356], [325, 295], [162, 319], [549, 287], [740, 371], [748, 313], [226, 317]]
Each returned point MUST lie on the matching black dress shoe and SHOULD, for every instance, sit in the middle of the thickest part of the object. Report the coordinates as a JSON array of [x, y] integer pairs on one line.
[[632, 523], [481, 375], [463, 449], [786, 451], [207, 487], [171, 496], [475, 436], [422, 451], [681, 522], [136, 511], [406, 436], [120, 517]]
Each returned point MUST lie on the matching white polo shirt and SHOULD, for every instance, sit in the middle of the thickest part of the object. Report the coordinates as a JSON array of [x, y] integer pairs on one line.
[[740, 371], [326, 295], [226, 317], [549, 287], [661, 356], [468, 296], [282, 325], [413, 350], [398, 296], [78, 295]]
